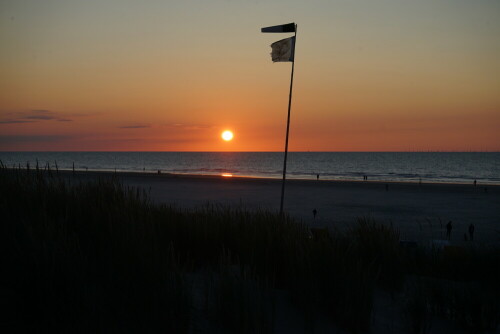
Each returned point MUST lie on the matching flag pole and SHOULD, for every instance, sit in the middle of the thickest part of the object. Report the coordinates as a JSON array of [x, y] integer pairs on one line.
[[288, 126]]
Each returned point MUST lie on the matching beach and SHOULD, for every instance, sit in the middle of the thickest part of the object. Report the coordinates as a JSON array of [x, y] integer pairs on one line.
[[419, 211]]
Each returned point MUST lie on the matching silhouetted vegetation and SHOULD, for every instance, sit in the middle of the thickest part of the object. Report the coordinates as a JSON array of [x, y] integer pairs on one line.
[[97, 256]]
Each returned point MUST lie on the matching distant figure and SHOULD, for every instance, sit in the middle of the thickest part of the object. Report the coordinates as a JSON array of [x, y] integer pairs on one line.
[[159, 172], [317, 176], [448, 230], [386, 187], [475, 182], [314, 213], [471, 232]]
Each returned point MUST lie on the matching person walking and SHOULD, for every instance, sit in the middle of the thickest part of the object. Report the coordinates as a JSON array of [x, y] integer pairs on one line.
[[314, 213], [448, 230], [471, 232]]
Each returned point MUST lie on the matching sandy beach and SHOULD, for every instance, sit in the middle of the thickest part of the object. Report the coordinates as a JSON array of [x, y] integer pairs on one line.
[[419, 211]]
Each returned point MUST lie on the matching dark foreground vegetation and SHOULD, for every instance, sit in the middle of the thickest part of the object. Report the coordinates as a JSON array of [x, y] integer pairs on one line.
[[100, 257]]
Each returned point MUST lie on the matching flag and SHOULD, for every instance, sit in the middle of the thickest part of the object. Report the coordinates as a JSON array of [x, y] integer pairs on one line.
[[283, 50], [289, 27]]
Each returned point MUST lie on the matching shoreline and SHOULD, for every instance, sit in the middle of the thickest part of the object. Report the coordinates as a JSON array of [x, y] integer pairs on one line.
[[257, 178], [419, 212]]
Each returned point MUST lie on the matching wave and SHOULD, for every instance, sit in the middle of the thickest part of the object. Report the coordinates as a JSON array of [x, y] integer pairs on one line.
[[411, 167]]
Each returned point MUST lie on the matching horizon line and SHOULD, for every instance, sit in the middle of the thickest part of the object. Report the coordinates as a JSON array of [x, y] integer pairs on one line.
[[152, 151]]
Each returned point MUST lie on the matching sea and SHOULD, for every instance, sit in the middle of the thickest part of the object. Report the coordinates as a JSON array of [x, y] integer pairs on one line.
[[434, 167]]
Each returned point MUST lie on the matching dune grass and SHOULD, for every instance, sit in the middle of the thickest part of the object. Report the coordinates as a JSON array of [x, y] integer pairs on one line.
[[98, 256]]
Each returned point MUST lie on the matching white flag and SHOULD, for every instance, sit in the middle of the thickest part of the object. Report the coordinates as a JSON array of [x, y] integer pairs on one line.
[[283, 50]]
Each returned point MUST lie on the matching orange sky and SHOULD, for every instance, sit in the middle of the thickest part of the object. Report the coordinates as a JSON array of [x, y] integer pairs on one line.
[[171, 76]]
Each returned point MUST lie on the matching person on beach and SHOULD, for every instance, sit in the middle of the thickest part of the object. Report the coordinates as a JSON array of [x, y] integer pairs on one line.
[[475, 182], [471, 232], [448, 230], [317, 176], [314, 213]]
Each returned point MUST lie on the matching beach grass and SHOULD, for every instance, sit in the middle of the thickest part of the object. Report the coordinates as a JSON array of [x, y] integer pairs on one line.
[[99, 256]]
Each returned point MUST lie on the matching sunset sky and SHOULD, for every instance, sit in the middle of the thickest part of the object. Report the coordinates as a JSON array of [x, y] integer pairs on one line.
[[168, 75]]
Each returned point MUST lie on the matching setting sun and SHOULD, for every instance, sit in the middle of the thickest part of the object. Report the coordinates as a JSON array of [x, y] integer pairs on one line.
[[227, 135]]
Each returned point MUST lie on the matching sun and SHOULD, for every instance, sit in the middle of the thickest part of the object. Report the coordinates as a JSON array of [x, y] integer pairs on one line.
[[227, 135]]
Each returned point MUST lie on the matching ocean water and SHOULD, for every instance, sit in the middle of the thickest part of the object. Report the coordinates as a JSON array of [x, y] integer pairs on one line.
[[450, 167]]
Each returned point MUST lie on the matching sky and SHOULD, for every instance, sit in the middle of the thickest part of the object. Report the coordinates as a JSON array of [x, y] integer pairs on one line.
[[168, 75]]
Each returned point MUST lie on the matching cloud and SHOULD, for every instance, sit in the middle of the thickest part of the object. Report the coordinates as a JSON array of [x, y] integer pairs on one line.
[[179, 126], [41, 114], [34, 116], [42, 111], [134, 127], [40, 117], [14, 121], [189, 126]]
